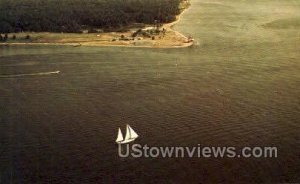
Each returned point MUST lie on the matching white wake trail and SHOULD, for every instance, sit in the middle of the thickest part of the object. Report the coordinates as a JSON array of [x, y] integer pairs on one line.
[[30, 74]]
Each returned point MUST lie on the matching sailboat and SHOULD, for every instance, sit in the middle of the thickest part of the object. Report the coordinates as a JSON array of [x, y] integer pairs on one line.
[[130, 136]]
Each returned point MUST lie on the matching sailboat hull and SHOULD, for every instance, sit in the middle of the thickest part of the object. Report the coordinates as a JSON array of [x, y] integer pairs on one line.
[[126, 141]]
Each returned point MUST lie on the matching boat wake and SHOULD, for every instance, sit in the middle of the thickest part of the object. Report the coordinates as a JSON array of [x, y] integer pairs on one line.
[[29, 74]]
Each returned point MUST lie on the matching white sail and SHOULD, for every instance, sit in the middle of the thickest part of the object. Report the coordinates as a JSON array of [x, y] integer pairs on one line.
[[120, 136], [128, 134], [133, 134]]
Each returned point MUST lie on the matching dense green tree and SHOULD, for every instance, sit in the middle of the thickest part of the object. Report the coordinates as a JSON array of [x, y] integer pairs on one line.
[[5, 37], [75, 15]]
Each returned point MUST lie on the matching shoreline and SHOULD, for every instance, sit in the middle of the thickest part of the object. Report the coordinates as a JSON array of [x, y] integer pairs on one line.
[[170, 39]]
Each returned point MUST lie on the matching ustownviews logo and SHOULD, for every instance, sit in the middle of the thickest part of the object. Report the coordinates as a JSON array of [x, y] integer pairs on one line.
[[125, 149]]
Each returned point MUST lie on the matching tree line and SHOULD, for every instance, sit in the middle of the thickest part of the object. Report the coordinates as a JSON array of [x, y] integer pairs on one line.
[[76, 15]]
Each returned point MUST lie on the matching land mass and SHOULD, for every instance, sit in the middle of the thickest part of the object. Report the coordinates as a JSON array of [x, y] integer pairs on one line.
[[158, 35]]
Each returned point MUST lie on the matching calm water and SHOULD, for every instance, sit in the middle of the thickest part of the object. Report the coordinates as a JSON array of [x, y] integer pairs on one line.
[[240, 86]]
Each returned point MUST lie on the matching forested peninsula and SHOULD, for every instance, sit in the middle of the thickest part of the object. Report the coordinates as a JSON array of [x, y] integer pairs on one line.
[[75, 15], [126, 19]]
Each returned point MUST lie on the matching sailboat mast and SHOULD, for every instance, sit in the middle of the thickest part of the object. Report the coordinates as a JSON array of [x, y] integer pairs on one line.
[[129, 131]]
